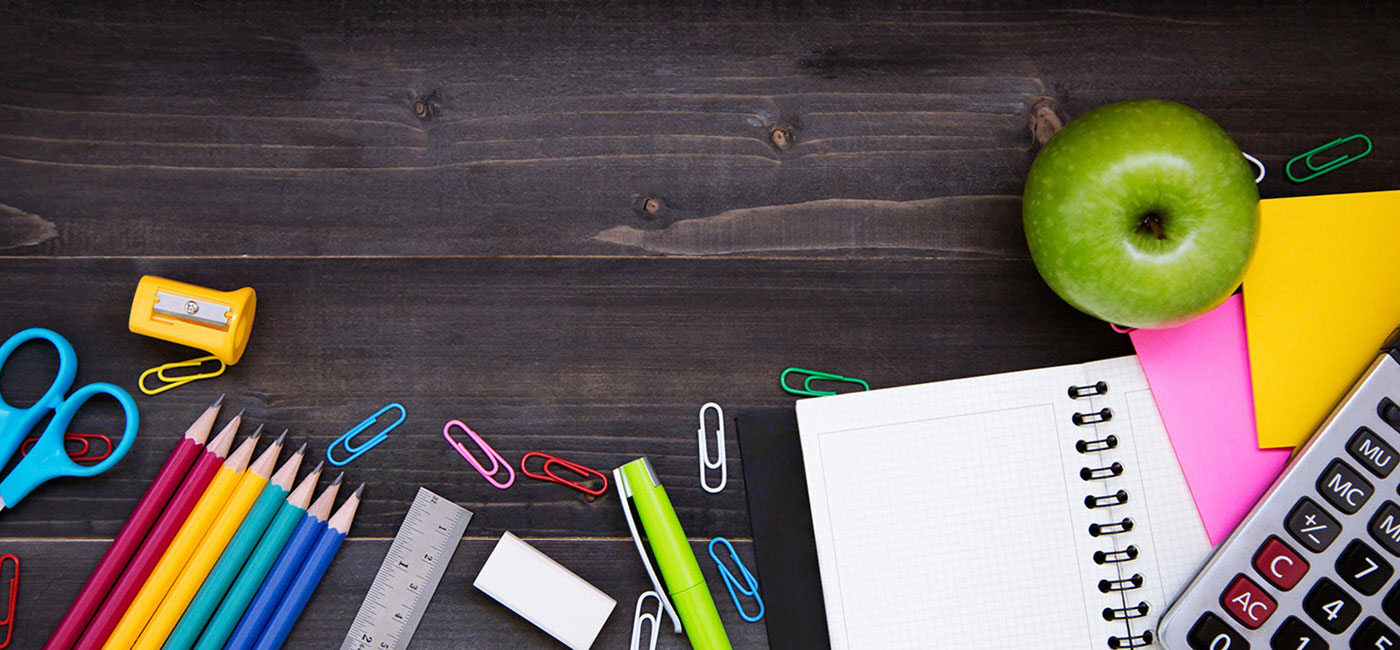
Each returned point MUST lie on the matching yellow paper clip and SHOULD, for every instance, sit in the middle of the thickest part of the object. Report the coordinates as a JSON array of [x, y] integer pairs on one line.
[[180, 380]]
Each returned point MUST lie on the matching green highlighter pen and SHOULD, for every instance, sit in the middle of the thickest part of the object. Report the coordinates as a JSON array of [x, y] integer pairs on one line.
[[639, 486]]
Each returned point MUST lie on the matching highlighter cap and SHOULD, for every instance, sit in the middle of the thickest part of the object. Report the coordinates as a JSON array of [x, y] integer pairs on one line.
[[702, 626], [218, 322]]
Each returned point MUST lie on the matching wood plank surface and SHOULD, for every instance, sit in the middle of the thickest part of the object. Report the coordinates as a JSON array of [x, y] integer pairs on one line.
[[570, 224], [596, 360], [544, 128]]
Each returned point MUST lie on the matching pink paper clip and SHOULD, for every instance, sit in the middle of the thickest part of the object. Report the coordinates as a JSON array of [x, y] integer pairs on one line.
[[497, 461]]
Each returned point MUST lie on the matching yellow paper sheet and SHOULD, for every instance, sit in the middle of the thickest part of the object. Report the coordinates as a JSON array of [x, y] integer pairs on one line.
[[1320, 298]]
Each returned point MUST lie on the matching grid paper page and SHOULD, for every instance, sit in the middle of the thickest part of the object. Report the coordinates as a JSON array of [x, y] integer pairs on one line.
[[952, 514]]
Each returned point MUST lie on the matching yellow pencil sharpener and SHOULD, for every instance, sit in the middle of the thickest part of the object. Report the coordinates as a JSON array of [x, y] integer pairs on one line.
[[218, 322]]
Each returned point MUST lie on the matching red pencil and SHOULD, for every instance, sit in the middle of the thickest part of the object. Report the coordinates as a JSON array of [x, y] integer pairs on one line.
[[134, 531], [159, 539]]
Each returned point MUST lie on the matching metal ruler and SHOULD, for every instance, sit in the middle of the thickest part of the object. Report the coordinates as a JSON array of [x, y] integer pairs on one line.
[[409, 575]]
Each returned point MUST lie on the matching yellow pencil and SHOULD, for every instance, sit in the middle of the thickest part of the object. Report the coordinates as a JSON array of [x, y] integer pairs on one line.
[[178, 553], [250, 486]]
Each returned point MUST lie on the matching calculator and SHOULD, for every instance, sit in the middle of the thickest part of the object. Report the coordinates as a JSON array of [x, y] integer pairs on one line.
[[1313, 565]]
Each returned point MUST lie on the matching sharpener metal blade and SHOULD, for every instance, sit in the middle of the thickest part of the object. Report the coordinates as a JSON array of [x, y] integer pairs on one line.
[[205, 312]]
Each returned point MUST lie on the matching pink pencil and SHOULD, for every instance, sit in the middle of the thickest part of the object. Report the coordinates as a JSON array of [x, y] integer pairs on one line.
[[134, 531], [159, 538]]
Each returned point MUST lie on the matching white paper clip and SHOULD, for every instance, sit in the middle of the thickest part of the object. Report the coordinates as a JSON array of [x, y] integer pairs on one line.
[[1255, 161], [720, 463], [639, 617]]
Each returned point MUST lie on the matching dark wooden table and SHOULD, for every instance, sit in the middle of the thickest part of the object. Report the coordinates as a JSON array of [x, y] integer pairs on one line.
[[571, 225]]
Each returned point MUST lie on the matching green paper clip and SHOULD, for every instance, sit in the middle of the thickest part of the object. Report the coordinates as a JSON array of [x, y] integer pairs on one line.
[[1318, 170], [813, 374]]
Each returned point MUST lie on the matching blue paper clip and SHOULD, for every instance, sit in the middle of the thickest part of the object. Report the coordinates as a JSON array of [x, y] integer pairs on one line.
[[1318, 170], [733, 585], [356, 451], [815, 375]]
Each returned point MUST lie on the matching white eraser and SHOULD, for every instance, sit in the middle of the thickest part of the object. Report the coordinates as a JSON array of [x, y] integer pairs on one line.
[[544, 593]]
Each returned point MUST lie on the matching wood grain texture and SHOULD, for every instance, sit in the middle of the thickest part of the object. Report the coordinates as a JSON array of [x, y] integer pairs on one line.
[[571, 223], [543, 128], [596, 360]]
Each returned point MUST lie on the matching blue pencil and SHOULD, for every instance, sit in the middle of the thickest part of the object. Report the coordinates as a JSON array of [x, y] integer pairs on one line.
[[288, 563], [289, 610]]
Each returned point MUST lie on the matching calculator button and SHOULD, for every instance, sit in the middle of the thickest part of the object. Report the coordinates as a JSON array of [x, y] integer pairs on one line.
[[1212, 633], [1391, 604], [1372, 452], [1343, 487], [1385, 527], [1280, 565], [1374, 635], [1294, 634], [1247, 602], [1312, 526], [1389, 412], [1364, 569], [1331, 607]]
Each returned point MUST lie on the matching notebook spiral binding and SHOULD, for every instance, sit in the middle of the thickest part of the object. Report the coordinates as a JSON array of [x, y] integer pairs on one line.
[[1127, 612]]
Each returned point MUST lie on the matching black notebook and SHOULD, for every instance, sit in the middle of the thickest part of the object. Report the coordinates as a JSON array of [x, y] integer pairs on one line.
[[784, 546]]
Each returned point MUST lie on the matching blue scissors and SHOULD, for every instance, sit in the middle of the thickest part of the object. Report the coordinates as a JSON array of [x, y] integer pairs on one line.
[[49, 458]]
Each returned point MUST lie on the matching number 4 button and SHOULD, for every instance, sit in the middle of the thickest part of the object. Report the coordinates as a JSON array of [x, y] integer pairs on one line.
[[1331, 607]]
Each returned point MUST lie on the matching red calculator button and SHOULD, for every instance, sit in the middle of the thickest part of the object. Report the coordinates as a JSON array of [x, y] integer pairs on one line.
[[1279, 564], [1248, 603]]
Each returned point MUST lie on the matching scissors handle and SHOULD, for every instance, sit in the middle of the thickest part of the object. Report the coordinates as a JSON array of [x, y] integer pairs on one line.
[[16, 423], [49, 458]]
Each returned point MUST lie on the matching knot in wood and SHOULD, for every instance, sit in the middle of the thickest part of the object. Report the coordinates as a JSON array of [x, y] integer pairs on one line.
[[653, 205], [781, 137]]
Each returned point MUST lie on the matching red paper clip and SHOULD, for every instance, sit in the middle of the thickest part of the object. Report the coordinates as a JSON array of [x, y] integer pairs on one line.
[[81, 457], [576, 468], [9, 622]]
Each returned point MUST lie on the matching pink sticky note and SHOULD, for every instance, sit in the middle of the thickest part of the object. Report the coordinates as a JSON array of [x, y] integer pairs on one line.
[[1199, 374]]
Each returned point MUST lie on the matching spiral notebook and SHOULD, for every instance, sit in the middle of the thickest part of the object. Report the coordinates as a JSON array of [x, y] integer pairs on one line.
[[1041, 509]]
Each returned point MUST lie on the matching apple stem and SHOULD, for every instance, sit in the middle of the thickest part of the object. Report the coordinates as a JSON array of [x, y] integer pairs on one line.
[[1152, 222]]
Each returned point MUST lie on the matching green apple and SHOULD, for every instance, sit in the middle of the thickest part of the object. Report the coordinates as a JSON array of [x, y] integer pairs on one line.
[[1143, 213]]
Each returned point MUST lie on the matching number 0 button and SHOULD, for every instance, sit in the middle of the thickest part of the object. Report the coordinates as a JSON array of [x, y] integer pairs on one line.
[[1212, 633]]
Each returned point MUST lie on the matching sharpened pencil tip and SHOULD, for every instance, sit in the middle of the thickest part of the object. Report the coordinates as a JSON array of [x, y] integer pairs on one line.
[[257, 433], [240, 413], [358, 490], [219, 401], [338, 478], [318, 465], [302, 449], [280, 438]]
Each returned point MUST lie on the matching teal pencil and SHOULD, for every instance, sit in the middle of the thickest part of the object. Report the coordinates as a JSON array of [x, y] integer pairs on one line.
[[268, 504], [250, 580]]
